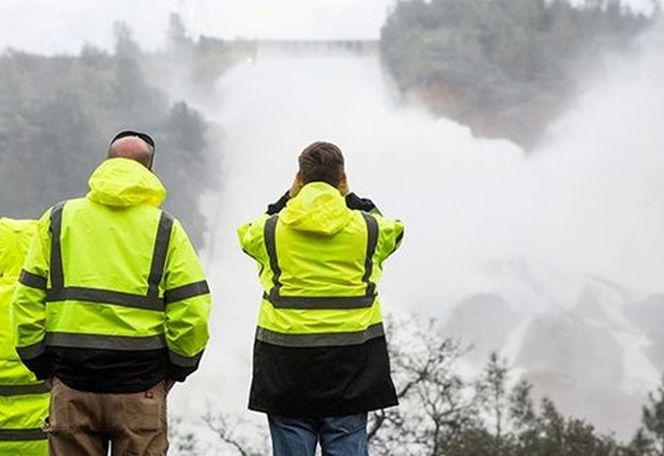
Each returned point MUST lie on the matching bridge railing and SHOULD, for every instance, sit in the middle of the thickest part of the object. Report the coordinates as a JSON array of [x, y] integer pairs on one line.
[[312, 47]]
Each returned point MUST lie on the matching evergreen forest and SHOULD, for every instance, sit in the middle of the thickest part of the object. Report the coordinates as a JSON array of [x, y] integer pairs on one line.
[[506, 68]]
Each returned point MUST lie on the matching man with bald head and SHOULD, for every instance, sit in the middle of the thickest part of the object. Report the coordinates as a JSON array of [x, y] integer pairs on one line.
[[112, 307], [134, 146]]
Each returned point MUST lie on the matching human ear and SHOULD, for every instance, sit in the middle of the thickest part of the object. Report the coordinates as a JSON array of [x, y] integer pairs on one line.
[[296, 186], [343, 185]]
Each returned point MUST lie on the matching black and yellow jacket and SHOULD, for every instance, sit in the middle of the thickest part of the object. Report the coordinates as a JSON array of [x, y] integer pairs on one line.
[[112, 297], [320, 346], [23, 398]]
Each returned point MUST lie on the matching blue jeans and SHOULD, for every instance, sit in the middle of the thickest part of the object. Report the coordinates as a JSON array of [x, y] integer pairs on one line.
[[338, 435]]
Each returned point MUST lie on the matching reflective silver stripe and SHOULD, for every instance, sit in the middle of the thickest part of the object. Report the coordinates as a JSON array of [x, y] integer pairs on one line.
[[31, 351], [319, 339], [151, 301], [185, 361], [187, 291], [57, 277], [32, 280], [270, 236], [105, 342], [19, 435], [312, 302], [20, 390], [159, 254], [372, 241], [106, 297]]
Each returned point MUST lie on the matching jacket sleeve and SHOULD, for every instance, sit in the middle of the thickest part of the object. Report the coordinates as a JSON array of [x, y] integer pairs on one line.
[[390, 234], [251, 239], [28, 310], [278, 205], [363, 204], [187, 299]]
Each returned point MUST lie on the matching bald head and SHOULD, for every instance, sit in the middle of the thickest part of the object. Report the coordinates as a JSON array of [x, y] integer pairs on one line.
[[133, 148]]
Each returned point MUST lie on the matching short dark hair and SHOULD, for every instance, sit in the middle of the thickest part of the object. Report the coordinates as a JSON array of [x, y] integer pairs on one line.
[[321, 162]]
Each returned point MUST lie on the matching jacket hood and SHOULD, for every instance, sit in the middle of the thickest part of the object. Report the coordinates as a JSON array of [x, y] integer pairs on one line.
[[15, 237], [317, 208], [120, 182]]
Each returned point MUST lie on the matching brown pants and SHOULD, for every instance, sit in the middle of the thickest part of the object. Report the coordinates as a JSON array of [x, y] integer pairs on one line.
[[82, 423]]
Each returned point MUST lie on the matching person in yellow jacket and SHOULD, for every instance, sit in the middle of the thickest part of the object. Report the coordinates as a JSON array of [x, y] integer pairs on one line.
[[112, 305], [320, 355], [23, 398]]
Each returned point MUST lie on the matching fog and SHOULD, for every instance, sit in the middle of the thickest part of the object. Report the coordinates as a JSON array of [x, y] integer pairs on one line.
[[482, 217], [44, 26], [69, 24], [570, 231]]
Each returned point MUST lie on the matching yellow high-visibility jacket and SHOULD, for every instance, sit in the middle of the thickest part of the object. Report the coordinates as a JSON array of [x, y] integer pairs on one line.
[[23, 398], [320, 346], [112, 297]]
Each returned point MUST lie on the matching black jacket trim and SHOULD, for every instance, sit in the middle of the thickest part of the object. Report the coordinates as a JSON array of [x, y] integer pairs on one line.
[[187, 291], [32, 280], [20, 435], [105, 342], [96, 295], [319, 339], [22, 390]]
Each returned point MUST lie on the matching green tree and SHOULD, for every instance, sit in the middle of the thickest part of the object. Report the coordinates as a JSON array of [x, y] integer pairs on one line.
[[494, 396], [176, 35], [505, 67], [650, 436], [125, 45], [57, 114]]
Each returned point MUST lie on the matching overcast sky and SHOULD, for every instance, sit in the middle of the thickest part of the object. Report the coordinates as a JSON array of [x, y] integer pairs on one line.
[[55, 26], [64, 25]]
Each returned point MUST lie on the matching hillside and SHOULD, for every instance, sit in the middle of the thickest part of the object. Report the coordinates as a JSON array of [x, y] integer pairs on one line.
[[506, 68], [57, 114]]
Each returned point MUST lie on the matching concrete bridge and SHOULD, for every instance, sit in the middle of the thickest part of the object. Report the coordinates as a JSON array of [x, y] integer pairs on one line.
[[212, 56], [310, 47]]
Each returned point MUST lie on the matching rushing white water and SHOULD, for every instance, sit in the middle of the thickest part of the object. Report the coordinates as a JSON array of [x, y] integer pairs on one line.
[[590, 203]]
